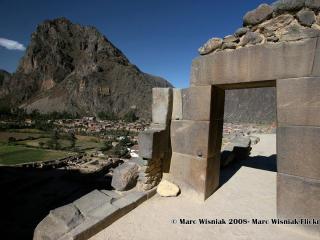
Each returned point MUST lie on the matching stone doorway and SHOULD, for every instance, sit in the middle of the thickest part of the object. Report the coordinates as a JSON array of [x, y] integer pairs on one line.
[[291, 67]]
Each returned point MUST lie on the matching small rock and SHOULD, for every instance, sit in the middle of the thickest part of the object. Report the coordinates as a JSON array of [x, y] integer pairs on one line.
[[167, 189], [260, 14], [287, 5], [313, 4], [252, 38], [272, 39], [230, 39], [125, 176], [241, 31], [306, 17], [230, 45], [295, 32], [211, 45]]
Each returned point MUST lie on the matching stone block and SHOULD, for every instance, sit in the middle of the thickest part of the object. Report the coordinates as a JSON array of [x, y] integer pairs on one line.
[[281, 60], [125, 176], [200, 174], [177, 104], [299, 198], [298, 151], [196, 103], [298, 101], [91, 201], [222, 67], [191, 137], [104, 211], [161, 105], [257, 63], [316, 63], [149, 143]]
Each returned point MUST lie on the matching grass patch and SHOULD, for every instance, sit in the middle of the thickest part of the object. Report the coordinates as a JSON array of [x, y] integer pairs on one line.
[[10, 155]]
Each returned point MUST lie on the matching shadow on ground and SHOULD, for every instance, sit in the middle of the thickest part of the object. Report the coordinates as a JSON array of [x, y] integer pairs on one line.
[[258, 162], [28, 194]]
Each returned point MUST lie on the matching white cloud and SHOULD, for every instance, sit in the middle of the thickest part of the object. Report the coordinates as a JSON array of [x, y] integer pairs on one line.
[[11, 45]]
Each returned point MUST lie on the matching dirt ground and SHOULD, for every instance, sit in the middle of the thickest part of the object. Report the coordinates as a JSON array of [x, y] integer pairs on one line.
[[248, 192]]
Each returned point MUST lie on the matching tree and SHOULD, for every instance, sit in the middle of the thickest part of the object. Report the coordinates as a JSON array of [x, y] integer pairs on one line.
[[72, 138], [130, 116]]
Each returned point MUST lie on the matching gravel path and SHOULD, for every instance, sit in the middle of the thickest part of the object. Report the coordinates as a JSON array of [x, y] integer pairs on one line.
[[249, 194]]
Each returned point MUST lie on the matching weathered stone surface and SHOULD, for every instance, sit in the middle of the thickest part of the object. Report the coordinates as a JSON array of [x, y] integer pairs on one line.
[[199, 174], [91, 201], [196, 103], [316, 63], [161, 105], [69, 215], [272, 39], [276, 24], [149, 143], [167, 189], [287, 5], [258, 15], [125, 176], [252, 38], [298, 198], [58, 222], [306, 17], [298, 101], [220, 67], [49, 228], [211, 45], [313, 4], [256, 63], [298, 151], [191, 137], [229, 45], [230, 39], [111, 194], [281, 60], [104, 211], [241, 31], [295, 31], [177, 104]]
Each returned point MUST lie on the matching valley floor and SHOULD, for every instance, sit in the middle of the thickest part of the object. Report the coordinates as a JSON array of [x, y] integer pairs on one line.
[[248, 191]]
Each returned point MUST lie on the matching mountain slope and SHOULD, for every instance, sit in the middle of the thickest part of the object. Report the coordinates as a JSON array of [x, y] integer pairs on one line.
[[69, 67]]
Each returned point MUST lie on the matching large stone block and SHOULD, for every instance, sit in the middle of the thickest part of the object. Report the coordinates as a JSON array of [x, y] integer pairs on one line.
[[222, 67], [298, 151], [196, 103], [177, 104], [161, 105], [264, 62], [191, 137], [125, 176], [316, 63], [281, 60], [150, 142], [200, 174], [298, 101], [91, 201], [298, 198]]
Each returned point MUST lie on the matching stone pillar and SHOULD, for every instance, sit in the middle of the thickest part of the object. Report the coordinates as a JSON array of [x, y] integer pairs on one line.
[[298, 149], [154, 143], [196, 140]]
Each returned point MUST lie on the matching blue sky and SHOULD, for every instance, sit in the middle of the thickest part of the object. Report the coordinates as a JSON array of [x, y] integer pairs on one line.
[[160, 36]]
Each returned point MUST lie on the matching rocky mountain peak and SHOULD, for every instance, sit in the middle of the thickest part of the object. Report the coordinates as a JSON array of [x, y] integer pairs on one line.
[[79, 68]]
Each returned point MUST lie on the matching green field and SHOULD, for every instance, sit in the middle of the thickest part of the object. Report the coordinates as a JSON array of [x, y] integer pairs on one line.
[[18, 154]]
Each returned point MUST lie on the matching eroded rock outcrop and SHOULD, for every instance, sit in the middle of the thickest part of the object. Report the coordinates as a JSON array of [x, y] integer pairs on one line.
[[74, 68]]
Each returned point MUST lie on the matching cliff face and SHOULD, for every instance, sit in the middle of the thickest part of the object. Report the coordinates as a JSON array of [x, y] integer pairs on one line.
[[256, 105], [4, 83], [69, 67]]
